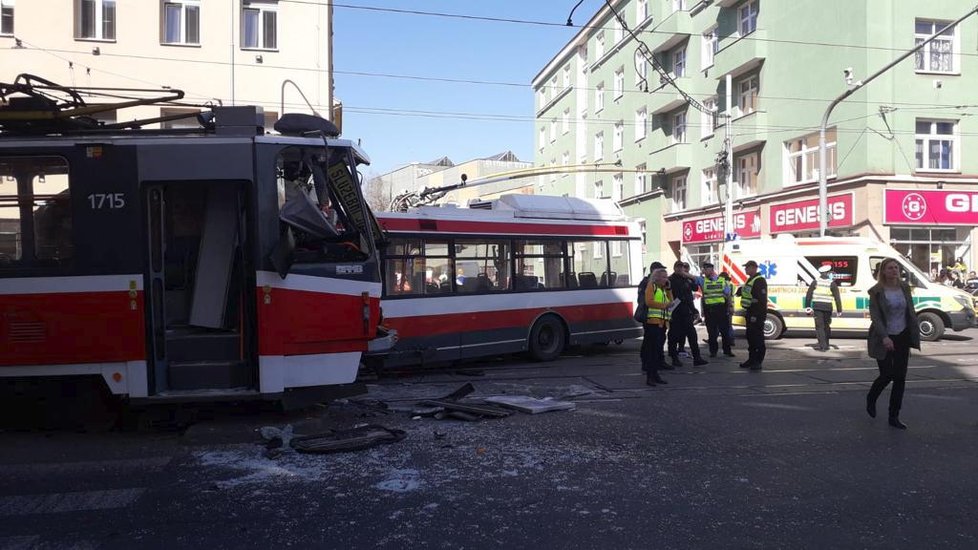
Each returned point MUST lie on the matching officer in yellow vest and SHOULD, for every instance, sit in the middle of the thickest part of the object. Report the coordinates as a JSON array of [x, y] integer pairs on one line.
[[821, 294], [658, 299], [716, 294], [753, 298]]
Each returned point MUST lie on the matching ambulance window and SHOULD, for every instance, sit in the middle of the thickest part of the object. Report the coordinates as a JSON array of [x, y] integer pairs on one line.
[[912, 278], [844, 267]]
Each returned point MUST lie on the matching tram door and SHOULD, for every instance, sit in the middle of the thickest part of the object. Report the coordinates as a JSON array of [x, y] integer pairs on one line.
[[196, 288]]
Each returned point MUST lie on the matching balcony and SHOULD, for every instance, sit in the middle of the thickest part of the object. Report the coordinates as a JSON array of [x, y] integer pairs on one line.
[[673, 158], [671, 31], [740, 55], [749, 130]]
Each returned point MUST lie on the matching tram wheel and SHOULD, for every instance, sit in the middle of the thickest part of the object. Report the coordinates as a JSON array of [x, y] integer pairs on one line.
[[547, 338]]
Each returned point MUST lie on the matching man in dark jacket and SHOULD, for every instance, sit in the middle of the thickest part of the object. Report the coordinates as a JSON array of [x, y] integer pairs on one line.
[[821, 295], [681, 323], [753, 298]]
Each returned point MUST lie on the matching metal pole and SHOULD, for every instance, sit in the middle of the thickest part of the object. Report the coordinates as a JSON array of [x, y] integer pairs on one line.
[[823, 201], [728, 146]]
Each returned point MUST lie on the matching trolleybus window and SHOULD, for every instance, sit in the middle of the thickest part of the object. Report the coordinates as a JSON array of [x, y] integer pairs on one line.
[[35, 212], [539, 264], [589, 263], [620, 266], [481, 266]]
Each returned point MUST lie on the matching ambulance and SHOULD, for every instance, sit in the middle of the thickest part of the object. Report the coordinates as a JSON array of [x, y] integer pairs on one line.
[[790, 264]]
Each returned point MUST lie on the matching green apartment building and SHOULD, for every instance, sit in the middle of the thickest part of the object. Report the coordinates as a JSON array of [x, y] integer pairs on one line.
[[901, 154]]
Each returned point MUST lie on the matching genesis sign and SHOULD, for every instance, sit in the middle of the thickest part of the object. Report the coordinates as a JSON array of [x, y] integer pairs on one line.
[[798, 216], [930, 207], [746, 225]]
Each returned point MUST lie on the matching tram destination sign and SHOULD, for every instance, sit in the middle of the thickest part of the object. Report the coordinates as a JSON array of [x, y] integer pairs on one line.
[[930, 207]]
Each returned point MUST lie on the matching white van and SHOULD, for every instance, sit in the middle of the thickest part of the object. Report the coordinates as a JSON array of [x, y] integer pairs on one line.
[[791, 264]]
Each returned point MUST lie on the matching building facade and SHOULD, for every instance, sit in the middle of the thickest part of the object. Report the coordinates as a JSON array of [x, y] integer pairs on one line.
[[233, 53], [897, 149]]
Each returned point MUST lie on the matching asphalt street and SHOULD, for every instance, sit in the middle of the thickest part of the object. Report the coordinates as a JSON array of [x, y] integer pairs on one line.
[[718, 458]]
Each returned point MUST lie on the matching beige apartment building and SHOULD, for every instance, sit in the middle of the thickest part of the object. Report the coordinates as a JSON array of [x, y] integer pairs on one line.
[[235, 52]]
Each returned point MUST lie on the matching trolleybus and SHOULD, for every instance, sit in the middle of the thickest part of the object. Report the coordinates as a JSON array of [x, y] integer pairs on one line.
[[520, 273], [217, 261]]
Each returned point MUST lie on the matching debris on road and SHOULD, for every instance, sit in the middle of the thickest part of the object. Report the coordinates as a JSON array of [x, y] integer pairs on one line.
[[279, 441], [531, 405]]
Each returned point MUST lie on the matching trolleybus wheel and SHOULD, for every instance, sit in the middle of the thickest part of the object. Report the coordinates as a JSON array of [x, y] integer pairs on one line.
[[547, 338], [931, 326]]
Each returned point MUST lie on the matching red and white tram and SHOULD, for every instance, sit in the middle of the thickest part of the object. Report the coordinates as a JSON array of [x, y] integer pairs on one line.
[[520, 273], [216, 261]]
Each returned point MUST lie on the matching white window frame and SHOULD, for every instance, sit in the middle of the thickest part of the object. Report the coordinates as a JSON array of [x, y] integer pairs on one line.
[[542, 96], [565, 159], [599, 146], [641, 123], [599, 98], [618, 30], [679, 62], [710, 46], [747, 97], [747, 17], [641, 177], [543, 138], [599, 45], [710, 190], [599, 189], [565, 121], [566, 77], [184, 7], [679, 127], [747, 172], [262, 10], [553, 87], [103, 13], [641, 68], [7, 15], [923, 144], [708, 120], [619, 83], [618, 137], [924, 59], [553, 130], [802, 164], [641, 11], [677, 194], [678, 5], [617, 187]]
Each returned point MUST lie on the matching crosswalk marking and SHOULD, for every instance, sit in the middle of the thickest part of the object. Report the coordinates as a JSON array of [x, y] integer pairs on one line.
[[22, 505]]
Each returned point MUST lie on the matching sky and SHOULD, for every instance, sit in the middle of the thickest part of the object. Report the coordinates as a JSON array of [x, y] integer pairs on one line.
[[387, 65]]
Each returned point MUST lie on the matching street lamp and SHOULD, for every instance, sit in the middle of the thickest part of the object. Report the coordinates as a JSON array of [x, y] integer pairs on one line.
[[823, 201]]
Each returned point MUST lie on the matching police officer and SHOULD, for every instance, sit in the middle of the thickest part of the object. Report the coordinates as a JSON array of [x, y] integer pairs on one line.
[[716, 295], [821, 293], [753, 298]]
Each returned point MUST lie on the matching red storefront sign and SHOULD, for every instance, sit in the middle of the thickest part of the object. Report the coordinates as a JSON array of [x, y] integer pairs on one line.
[[746, 225], [792, 217], [930, 207]]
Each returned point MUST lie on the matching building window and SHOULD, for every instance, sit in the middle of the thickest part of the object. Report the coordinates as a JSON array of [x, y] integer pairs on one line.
[[641, 179], [710, 47], [679, 62], [748, 167], [565, 121], [617, 187], [938, 55], [599, 45], [641, 68], [7, 17], [566, 76], [599, 98], [748, 17], [936, 143], [802, 157], [599, 189], [711, 190], [553, 87], [95, 19], [259, 25], [542, 96], [619, 31], [747, 91], [708, 120], [641, 121], [599, 146], [679, 127], [678, 202], [181, 22], [565, 159], [641, 11], [543, 137], [619, 82], [619, 136], [678, 5], [553, 130]]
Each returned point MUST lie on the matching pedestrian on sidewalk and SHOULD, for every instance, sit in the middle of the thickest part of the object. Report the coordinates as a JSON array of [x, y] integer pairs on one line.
[[892, 332], [659, 301], [822, 293], [753, 298], [716, 295]]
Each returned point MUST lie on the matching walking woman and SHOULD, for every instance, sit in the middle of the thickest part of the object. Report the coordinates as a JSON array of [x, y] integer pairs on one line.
[[892, 332]]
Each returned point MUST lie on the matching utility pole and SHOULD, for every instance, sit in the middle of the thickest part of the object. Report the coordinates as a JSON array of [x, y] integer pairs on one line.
[[823, 201], [728, 161]]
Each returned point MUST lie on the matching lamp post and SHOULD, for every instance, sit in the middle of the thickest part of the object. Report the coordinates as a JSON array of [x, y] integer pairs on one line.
[[823, 201]]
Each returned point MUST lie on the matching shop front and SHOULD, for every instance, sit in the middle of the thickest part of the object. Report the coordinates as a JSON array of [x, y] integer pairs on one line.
[[800, 218], [702, 238], [932, 227]]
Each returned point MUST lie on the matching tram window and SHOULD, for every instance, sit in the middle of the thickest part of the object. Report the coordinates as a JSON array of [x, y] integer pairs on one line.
[[399, 277], [46, 238], [481, 265], [438, 267], [585, 261], [539, 264]]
